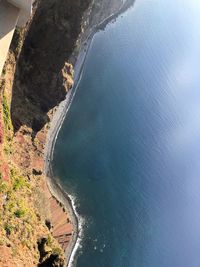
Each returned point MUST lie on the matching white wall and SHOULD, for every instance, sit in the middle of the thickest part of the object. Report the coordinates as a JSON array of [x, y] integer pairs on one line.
[[12, 13], [9, 15], [25, 7]]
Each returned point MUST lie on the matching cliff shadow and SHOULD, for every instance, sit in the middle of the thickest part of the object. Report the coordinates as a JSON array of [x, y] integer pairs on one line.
[[40, 81]]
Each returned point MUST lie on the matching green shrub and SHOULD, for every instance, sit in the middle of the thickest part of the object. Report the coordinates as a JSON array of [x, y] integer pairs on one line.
[[19, 213], [14, 251], [26, 243], [57, 251], [6, 111], [2, 241], [13, 172], [17, 41], [49, 240], [3, 187], [8, 149], [10, 206], [6, 114], [19, 183], [8, 228]]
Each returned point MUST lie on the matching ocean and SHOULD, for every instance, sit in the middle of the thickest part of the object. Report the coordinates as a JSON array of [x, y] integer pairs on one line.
[[129, 148]]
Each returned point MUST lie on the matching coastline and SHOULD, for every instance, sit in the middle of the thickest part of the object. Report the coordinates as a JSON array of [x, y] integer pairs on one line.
[[56, 123], [55, 189]]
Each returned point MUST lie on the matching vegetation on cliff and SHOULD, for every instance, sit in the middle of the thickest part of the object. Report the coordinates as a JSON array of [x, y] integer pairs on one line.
[[22, 221]]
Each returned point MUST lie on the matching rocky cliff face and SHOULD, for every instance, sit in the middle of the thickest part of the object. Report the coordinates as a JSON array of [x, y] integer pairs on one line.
[[42, 76], [50, 41]]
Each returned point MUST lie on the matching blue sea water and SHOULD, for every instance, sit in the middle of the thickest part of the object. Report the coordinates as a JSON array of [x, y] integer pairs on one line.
[[129, 149]]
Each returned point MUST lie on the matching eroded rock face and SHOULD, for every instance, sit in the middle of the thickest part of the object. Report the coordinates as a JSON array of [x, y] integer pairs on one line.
[[47, 257], [52, 261], [49, 42], [67, 75], [43, 77]]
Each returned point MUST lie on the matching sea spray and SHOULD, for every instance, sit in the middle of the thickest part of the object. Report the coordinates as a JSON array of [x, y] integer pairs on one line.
[[81, 223]]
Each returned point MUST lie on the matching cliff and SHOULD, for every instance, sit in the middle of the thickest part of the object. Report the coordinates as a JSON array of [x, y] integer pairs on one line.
[[42, 76], [36, 77]]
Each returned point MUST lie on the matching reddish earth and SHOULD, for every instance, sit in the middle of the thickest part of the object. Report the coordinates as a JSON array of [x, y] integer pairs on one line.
[[5, 171], [30, 155], [10, 261], [1, 132], [62, 226]]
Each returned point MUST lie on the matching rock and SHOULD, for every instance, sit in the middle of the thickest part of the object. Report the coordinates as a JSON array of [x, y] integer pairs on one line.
[[36, 172], [67, 76], [48, 224], [39, 122], [54, 260], [49, 42], [47, 257]]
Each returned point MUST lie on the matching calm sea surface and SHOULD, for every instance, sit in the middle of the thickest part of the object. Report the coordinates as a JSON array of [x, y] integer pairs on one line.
[[129, 149]]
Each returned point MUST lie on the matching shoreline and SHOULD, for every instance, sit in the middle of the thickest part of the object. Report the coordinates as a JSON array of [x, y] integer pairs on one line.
[[56, 123]]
